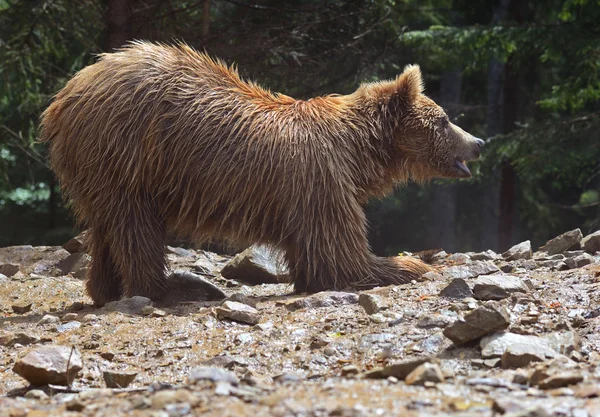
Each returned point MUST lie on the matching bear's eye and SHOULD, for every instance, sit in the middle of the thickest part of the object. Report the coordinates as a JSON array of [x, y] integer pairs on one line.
[[444, 122]]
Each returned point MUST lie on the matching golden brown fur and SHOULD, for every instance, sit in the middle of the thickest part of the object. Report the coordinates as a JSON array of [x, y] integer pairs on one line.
[[159, 138]]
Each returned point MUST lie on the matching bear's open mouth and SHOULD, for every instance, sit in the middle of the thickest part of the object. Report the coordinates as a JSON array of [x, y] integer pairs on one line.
[[461, 165]]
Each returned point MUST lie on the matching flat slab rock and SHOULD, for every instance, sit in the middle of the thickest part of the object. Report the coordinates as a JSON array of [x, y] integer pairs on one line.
[[48, 365], [323, 299], [458, 288], [133, 305], [520, 251], [562, 242], [235, 311], [591, 243], [256, 265], [497, 286], [485, 319], [518, 350]]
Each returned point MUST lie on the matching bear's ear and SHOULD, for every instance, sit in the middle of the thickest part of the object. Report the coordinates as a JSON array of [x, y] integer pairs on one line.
[[409, 84]]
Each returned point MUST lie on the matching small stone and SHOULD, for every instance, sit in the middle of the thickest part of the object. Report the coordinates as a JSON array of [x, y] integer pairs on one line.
[[71, 325], [109, 356], [9, 269], [118, 379], [74, 405], [21, 308], [69, 317], [238, 312], [497, 287], [242, 298], [288, 377], [74, 262], [20, 338], [520, 355], [205, 373], [459, 258], [485, 319], [427, 372], [488, 255], [458, 288], [349, 370], [133, 305], [430, 276], [181, 252], [147, 310], [562, 242], [323, 299], [36, 394], [434, 321], [591, 243], [76, 244], [256, 265], [89, 318], [370, 302], [520, 251], [48, 365], [398, 370], [579, 261], [559, 380], [49, 319]]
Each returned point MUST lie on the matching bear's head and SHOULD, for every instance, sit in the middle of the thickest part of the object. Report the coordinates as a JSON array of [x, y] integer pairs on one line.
[[424, 139]]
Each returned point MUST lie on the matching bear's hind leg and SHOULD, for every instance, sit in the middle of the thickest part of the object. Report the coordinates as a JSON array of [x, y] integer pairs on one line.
[[137, 245], [103, 281]]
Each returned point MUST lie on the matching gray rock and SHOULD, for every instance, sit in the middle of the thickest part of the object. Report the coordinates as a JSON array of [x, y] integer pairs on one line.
[[36, 394], [482, 268], [497, 344], [74, 263], [69, 317], [256, 265], [181, 252], [457, 272], [398, 370], [550, 263], [520, 355], [488, 255], [118, 379], [349, 370], [21, 308], [370, 302], [238, 312], [520, 251], [591, 243], [562, 242], [459, 258], [579, 261], [323, 299], [133, 305], [12, 339], [497, 286], [458, 288], [76, 244], [561, 379], [434, 321], [48, 365], [427, 372], [49, 319], [9, 269], [205, 373], [72, 325], [485, 319]]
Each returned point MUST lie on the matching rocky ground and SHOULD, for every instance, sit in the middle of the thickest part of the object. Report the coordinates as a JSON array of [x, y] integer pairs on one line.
[[513, 334]]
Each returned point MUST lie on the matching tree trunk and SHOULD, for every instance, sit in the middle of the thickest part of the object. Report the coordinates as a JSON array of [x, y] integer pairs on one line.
[[118, 24], [205, 20], [442, 232], [490, 222]]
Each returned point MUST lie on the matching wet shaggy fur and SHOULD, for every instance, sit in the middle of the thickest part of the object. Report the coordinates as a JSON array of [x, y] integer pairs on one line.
[[155, 139]]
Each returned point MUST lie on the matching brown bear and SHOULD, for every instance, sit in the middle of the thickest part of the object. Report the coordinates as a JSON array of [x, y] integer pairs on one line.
[[155, 139]]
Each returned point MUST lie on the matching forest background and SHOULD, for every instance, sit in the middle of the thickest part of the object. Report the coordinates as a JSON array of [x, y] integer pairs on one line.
[[523, 74]]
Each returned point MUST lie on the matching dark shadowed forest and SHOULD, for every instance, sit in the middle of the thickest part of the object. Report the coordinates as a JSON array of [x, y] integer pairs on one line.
[[523, 75]]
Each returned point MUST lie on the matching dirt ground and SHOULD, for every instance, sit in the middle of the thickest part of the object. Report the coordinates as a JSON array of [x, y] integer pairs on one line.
[[383, 352]]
